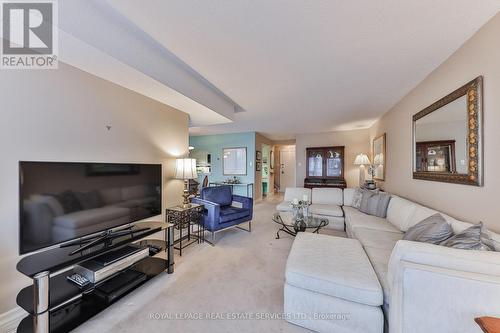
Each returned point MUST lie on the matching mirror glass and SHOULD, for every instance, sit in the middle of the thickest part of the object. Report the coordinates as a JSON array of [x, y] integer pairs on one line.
[[379, 157], [441, 139], [448, 136]]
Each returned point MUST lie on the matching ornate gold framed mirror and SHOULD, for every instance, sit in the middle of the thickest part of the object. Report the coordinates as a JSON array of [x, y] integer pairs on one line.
[[447, 138]]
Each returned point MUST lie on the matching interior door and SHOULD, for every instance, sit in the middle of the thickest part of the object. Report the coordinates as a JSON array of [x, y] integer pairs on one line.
[[287, 169]]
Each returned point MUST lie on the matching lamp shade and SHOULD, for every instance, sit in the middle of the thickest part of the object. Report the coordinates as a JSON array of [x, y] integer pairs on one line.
[[362, 159], [185, 168]]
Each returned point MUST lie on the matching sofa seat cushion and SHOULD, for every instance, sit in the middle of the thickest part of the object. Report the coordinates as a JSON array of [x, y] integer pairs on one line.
[[230, 213], [354, 219], [325, 209], [377, 238], [333, 266], [380, 262], [85, 218], [284, 206], [61, 233]]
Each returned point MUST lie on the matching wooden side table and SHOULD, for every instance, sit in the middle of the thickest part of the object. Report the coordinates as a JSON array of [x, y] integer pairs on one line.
[[185, 218], [488, 324]]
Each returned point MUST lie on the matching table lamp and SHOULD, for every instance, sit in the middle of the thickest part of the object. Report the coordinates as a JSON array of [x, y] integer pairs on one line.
[[185, 169], [362, 160]]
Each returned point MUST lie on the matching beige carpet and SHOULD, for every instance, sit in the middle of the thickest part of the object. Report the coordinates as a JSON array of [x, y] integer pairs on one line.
[[242, 275]]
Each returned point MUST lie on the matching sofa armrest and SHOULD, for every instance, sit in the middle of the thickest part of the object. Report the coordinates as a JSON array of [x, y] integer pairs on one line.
[[447, 287], [211, 217], [246, 202]]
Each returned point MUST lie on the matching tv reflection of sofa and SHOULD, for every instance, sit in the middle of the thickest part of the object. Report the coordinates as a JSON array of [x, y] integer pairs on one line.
[[54, 218]]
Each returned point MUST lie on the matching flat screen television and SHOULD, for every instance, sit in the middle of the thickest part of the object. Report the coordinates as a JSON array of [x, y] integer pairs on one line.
[[62, 201]]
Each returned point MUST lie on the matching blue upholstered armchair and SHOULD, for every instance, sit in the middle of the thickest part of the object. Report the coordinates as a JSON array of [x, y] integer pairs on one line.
[[219, 212]]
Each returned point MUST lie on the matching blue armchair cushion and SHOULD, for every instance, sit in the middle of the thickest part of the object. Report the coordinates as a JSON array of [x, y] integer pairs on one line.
[[229, 213], [219, 194]]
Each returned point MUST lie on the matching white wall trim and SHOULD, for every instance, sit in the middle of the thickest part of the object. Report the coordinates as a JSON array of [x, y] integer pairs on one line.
[[10, 320]]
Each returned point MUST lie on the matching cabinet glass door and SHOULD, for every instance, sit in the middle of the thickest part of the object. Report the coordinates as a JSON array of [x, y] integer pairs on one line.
[[438, 158], [435, 156], [333, 164], [315, 163], [419, 159]]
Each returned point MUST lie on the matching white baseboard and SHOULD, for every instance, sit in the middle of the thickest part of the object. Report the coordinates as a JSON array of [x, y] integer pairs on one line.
[[10, 320]]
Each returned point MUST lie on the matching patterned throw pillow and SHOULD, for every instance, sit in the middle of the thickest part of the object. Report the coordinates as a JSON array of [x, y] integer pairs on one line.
[[473, 238], [356, 197], [489, 241], [433, 229], [375, 203]]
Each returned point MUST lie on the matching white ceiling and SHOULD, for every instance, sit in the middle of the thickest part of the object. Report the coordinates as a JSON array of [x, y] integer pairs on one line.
[[299, 66], [92, 60], [95, 38]]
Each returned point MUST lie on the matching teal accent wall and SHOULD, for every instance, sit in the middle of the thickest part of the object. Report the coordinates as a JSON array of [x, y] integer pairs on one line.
[[213, 144]]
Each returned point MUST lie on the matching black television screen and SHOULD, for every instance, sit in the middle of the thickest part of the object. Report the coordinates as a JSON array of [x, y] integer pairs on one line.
[[62, 201]]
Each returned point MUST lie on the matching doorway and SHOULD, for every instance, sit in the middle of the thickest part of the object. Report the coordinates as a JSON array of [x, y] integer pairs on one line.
[[287, 167], [266, 174]]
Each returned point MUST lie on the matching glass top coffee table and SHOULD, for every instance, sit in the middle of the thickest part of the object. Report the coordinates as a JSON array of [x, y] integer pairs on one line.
[[292, 227]]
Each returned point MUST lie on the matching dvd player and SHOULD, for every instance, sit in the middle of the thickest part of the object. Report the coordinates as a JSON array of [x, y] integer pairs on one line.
[[120, 285], [104, 266]]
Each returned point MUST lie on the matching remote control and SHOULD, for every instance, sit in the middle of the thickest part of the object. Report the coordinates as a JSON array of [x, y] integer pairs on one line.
[[78, 279]]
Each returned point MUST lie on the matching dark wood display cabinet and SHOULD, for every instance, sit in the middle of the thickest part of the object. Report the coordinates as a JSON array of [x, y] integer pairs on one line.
[[435, 156], [55, 304], [325, 167]]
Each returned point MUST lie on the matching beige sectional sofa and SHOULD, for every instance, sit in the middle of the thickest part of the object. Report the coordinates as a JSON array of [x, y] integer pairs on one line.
[[325, 203], [426, 288], [290, 194]]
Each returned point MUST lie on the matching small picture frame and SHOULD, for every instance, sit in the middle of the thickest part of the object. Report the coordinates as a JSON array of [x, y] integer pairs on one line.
[[257, 166], [258, 155]]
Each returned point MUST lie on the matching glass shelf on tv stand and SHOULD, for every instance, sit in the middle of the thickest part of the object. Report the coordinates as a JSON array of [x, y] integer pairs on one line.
[[62, 305]]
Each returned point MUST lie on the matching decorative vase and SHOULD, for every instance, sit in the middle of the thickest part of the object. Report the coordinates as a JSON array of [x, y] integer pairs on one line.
[[305, 209], [300, 225], [297, 212]]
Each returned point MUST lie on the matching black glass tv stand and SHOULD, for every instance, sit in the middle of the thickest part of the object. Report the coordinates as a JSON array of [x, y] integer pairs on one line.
[[55, 304], [105, 237]]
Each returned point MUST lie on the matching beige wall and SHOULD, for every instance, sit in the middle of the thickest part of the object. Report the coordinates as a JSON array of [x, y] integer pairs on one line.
[[355, 142], [478, 56], [60, 115]]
